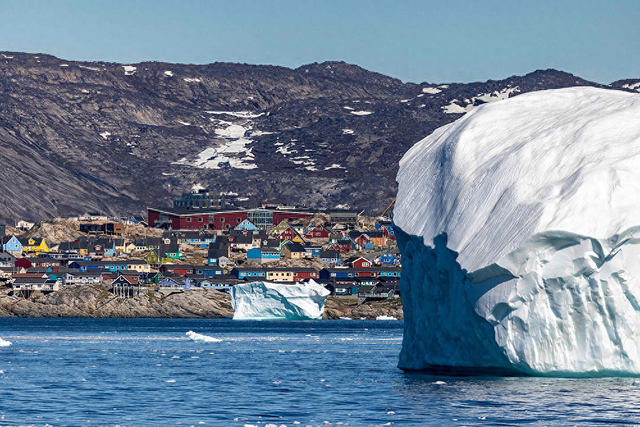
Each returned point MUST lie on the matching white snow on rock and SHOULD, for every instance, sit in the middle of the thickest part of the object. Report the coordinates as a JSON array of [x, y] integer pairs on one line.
[[348, 131], [233, 152], [168, 73], [276, 301], [105, 135], [454, 106], [361, 113], [632, 86], [233, 131], [431, 90], [7, 56], [184, 123], [520, 237], [192, 80], [240, 114], [89, 68], [129, 70], [334, 166], [64, 65]]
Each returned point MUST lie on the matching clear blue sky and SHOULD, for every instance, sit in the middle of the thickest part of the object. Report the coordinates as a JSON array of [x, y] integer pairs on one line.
[[434, 41]]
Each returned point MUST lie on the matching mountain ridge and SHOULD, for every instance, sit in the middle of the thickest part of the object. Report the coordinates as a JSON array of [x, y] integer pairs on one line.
[[91, 135]]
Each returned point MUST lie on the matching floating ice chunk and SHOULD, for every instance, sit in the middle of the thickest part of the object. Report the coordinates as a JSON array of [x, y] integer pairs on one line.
[[520, 243], [170, 381], [439, 383], [383, 317], [202, 338], [265, 300], [4, 343], [346, 318]]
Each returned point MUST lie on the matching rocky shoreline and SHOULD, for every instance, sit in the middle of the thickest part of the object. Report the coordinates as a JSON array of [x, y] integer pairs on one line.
[[95, 301]]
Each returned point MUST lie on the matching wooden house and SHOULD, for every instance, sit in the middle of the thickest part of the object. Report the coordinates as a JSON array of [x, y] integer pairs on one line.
[[127, 286], [262, 255], [316, 232], [293, 250], [12, 245]]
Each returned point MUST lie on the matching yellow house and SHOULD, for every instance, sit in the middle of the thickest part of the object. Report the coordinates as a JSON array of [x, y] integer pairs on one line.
[[120, 245], [293, 250], [279, 275], [34, 245], [139, 265]]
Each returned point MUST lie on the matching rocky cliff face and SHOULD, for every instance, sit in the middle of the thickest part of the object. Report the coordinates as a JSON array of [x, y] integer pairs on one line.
[[77, 136]]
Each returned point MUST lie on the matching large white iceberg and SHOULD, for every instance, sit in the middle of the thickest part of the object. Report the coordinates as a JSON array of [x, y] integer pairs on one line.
[[518, 227], [277, 301]]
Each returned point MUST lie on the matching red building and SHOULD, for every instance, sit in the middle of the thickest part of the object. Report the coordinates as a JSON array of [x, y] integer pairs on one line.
[[210, 219], [178, 269], [304, 273], [317, 232], [361, 263]]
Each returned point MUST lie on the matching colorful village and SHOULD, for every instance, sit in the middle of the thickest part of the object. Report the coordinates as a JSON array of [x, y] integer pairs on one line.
[[201, 244]]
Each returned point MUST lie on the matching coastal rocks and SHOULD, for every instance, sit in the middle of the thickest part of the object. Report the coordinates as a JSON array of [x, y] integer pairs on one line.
[[96, 301]]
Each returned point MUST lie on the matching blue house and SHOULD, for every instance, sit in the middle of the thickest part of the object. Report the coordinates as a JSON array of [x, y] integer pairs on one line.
[[249, 273], [246, 225], [209, 271], [312, 250], [387, 258], [338, 273], [197, 239], [175, 283], [90, 265], [262, 255], [388, 272], [11, 244]]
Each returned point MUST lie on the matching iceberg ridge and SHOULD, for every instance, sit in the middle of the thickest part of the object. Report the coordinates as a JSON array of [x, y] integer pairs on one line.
[[518, 227], [277, 301]]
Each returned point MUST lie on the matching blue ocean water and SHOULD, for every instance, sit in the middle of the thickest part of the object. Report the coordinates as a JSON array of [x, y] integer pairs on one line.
[[147, 372]]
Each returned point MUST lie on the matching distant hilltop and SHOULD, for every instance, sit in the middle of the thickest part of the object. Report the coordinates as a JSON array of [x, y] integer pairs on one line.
[[117, 138]]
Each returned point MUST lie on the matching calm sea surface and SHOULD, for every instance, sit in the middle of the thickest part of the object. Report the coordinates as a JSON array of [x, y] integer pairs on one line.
[[147, 372]]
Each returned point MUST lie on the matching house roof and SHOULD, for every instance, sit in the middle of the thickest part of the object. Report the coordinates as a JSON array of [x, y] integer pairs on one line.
[[329, 254]]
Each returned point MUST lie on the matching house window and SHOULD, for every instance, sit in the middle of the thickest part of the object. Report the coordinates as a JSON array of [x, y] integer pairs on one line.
[[200, 219], [189, 219], [238, 219], [222, 219]]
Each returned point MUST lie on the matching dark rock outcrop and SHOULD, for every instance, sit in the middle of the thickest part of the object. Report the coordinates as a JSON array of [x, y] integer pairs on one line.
[[77, 136]]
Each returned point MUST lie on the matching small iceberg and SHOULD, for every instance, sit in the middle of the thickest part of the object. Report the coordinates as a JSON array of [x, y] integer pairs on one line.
[[201, 338], [4, 343], [386, 318], [277, 301]]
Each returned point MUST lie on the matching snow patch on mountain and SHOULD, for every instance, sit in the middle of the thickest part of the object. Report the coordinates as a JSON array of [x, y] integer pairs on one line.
[[454, 106], [431, 90], [361, 113], [632, 86], [240, 114], [129, 70]]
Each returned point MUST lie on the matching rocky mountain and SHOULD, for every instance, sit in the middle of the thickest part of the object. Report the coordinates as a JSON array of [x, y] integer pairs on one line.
[[78, 136]]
